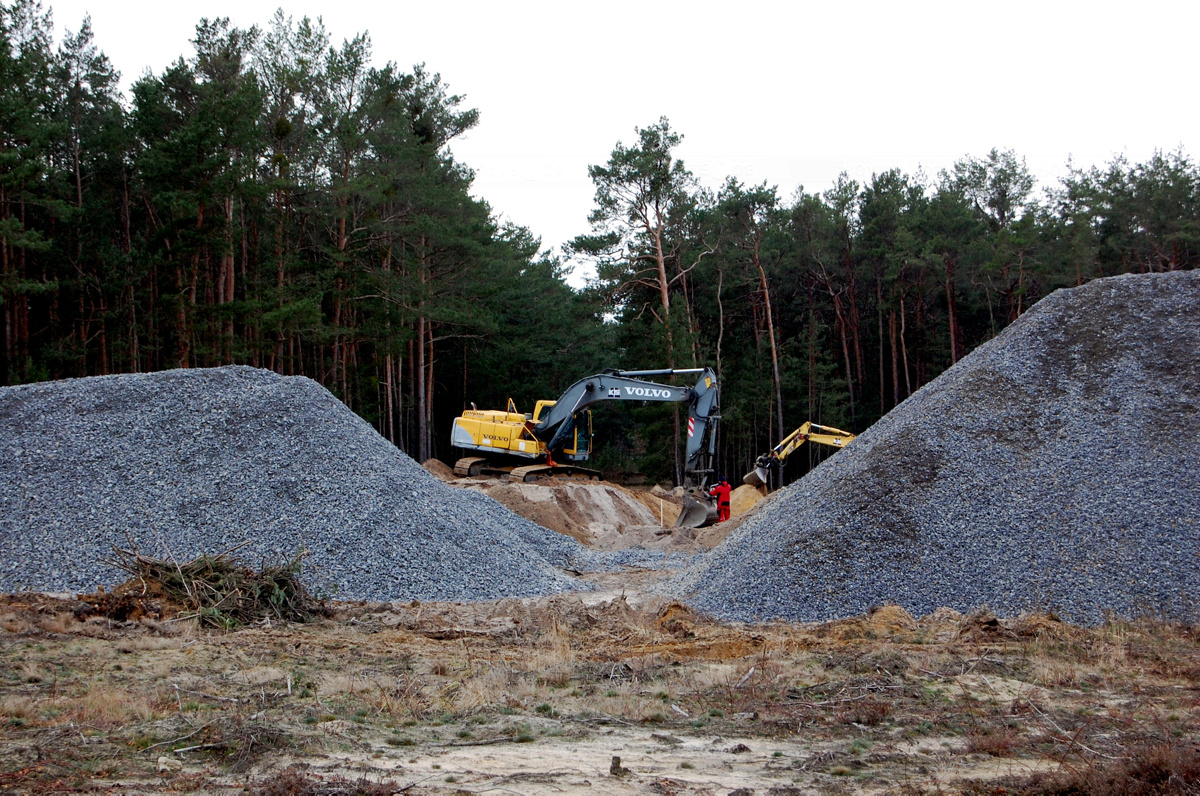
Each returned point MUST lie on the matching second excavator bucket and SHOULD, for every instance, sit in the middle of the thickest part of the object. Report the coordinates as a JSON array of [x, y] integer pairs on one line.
[[756, 477], [695, 512]]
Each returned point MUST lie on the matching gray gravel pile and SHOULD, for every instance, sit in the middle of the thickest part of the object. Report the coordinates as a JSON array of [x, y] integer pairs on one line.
[[193, 461], [1056, 467]]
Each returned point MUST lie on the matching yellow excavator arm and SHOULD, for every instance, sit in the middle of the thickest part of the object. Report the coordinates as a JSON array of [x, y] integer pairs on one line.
[[809, 432]]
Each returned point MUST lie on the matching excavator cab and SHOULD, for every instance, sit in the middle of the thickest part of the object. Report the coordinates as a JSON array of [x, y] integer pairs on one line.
[[579, 446], [541, 409]]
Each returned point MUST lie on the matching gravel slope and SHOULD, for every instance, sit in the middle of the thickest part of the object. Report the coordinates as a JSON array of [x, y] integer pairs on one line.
[[192, 461], [1057, 466]]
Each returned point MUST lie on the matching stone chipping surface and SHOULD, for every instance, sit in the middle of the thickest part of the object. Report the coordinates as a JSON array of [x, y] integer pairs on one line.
[[1056, 467], [196, 461]]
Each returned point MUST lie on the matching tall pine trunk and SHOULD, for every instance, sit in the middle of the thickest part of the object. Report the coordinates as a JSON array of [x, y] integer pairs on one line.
[[895, 359], [7, 296], [766, 289], [951, 308]]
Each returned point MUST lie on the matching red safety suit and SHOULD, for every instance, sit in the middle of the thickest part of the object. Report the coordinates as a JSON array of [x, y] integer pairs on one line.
[[721, 492]]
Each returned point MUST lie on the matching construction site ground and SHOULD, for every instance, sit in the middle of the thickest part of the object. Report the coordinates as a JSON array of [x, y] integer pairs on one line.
[[113, 694], [603, 514]]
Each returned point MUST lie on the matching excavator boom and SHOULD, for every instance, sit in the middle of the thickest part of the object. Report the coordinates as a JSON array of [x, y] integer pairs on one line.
[[809, 432], [561, 429], [618, 385]]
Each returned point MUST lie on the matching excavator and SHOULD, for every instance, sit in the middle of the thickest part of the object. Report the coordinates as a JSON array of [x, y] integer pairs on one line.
[[557, 435], [809, 432]]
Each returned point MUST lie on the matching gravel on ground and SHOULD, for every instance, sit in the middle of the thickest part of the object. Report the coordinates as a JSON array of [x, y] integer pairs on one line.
[[1056, 467], [197, 461]]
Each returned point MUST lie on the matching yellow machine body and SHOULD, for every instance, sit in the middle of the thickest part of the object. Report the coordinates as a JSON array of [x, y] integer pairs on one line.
[[490, 430], [556, 437], [510, 432]]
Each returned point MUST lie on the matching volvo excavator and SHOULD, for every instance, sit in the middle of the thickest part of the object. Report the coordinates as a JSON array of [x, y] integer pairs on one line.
[[557, 435], [809, 432]]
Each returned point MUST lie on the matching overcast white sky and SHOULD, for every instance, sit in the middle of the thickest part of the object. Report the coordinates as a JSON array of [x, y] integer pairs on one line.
[[792, 93]]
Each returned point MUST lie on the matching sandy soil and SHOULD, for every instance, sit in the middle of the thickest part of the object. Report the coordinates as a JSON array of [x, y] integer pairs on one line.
[[606, 515], [745, 498], [596, 513], [614, 690], [539, 695]]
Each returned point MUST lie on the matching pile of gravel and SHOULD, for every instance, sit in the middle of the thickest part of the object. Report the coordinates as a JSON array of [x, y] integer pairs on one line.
[[192, 461], [1056, 467]]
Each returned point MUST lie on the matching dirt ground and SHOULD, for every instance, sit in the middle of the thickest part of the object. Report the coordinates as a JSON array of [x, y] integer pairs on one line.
[[541, 696], [603, 514], [596, 513]]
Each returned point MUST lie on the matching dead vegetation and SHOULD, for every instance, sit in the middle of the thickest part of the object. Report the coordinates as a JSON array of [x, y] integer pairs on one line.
[[538, 695], [294, 783], [221, 591]]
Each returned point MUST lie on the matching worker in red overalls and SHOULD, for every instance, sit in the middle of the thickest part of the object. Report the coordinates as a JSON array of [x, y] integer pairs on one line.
[[721, 492]]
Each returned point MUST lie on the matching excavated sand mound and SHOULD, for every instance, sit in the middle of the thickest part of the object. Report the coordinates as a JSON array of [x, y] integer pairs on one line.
[[192, 461], [744, 498], [663, 504], [439, 470], [1056, 467], [594, 513]]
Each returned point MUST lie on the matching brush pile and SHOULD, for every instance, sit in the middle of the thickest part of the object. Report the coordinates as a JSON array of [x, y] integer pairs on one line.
[[224, 592]]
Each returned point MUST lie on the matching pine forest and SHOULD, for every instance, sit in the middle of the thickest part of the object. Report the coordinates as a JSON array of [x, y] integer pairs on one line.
[[279, 200]]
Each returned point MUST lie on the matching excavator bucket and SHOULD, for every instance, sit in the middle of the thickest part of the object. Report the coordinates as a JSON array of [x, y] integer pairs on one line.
[[756, 477], [695, 513]]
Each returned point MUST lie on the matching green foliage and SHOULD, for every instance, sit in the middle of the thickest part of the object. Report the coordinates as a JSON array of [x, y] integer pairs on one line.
[[864, 293], [280, 200], [277, 200]]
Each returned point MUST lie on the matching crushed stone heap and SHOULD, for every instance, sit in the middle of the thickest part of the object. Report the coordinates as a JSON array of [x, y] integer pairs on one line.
[[197, 461], [1055, 467]]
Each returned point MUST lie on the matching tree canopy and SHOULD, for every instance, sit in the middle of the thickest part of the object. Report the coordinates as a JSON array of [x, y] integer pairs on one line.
[[278, 200]]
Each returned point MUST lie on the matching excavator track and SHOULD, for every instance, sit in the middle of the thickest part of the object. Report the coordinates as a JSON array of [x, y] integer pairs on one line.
[[532, 472], [470, 465]]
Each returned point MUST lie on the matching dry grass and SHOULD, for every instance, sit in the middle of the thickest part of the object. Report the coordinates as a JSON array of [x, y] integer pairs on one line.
[[403, 698], [261, 675], [994, 741], [853, 702], [58, 623], [32, 671], [148, 643], [492, 688], [333, 684], [18, 707], [1157, 769], [294, 783], [103, 706], [12, 623], [867, 712]]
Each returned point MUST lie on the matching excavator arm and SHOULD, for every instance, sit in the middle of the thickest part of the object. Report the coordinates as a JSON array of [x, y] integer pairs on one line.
[[704, 408], [809, 432], [555, 425]]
